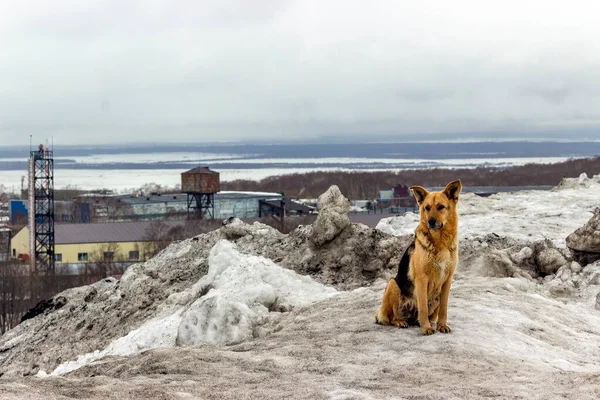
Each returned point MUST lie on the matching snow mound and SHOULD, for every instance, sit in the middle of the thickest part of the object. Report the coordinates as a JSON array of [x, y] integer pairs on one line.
[[243, 292], [583, 181], [96, 316], [491, 256]]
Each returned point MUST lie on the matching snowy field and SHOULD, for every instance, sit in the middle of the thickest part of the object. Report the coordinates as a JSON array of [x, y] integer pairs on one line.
[[230, 315]]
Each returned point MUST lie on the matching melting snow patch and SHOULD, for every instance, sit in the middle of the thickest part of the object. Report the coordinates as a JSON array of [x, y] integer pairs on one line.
[[244, 292]]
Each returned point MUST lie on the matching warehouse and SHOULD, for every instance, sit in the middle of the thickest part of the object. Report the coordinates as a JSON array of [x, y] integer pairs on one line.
[[102, 208], [96, 242], [159, 205]]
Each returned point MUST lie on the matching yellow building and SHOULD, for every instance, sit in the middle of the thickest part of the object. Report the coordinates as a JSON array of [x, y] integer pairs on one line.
[[81, 243]]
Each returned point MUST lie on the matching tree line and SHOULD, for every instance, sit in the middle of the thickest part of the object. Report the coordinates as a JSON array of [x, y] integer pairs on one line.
[[366, 185]]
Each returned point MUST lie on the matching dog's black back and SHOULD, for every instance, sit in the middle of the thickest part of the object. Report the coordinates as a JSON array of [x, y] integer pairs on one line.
[[402, 280]]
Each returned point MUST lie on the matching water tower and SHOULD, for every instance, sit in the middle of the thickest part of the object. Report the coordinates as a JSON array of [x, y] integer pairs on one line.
[[200, 184]]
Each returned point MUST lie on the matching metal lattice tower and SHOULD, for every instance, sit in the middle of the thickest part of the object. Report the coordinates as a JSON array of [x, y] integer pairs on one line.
[[41, 216]]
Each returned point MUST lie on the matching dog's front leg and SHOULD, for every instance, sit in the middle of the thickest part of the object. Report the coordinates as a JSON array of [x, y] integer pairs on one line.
[[423, 305], [443, 315]]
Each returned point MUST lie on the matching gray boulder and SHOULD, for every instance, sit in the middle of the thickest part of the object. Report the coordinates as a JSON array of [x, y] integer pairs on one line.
[[584, 243]]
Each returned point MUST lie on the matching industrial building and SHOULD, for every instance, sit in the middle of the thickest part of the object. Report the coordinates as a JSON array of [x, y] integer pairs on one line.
[[139, 206], [200, 195], [159, 205], [94, 242]]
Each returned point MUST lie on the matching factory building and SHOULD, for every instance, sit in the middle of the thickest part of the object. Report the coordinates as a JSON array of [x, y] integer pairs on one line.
[[159, 205], [94, 242], [140, 206]]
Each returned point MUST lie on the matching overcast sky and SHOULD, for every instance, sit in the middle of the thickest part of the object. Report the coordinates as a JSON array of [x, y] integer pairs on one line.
[[102, 71]]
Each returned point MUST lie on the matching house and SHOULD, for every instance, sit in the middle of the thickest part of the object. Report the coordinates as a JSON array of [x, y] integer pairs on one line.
[[96, 242]]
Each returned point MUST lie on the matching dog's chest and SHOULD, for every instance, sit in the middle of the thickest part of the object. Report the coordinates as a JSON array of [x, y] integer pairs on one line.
[[442, 264]]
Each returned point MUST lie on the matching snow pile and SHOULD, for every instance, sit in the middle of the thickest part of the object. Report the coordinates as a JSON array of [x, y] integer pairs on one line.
[[332, 250], [244, 290], [96, 316], [581, 182], [525, 216], [237, 295], [497, 258]]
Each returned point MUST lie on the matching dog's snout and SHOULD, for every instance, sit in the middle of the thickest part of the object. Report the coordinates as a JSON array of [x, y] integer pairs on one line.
[[432, 222]]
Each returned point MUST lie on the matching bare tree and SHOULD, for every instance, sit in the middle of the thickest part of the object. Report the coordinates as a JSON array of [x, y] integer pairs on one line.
[[14, 296], [366, 184]]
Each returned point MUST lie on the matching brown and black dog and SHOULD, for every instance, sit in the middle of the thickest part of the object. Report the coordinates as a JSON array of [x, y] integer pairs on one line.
[[419, 293]]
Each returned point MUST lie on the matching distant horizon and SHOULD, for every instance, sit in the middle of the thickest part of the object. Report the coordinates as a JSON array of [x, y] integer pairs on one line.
[[553, 137]]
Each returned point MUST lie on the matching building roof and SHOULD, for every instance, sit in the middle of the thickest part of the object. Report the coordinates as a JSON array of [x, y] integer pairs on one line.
[[289, 206], [200, 170], [247, 195], [106, 232], [182, 197]]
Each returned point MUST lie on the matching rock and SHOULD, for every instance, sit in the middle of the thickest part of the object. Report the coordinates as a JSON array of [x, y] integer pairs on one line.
[[575, 267], [45, 306], [332, 218], [564, 273], [549, 260], [584, 243], [524, 254], [598, 301], [560, 289], [591, 275]]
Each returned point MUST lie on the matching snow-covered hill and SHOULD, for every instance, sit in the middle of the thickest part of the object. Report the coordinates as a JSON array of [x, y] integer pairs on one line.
[[247, 312]]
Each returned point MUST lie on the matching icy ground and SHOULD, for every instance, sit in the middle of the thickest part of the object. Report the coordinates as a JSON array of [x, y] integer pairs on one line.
[[224, 315]]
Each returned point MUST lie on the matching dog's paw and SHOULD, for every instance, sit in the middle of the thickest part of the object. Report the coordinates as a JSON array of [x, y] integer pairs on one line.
[[444, 328], [427, 331], [401, 324]]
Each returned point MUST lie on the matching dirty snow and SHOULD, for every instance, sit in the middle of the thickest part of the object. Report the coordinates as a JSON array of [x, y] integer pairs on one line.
[[243, 291], [524, 216], [217, 316]]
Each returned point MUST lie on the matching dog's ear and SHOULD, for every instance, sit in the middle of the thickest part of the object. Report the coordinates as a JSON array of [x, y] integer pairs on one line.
[[420, 193], [453, 190]]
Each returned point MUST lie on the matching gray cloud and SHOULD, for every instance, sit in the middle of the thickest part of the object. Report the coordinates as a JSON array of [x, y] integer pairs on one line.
[[91, 72]]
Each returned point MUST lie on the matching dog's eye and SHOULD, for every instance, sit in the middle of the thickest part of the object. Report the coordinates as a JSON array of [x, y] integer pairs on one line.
[[441, 207], [428, 208]]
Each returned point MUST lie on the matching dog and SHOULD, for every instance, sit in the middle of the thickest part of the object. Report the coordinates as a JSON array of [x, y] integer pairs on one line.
[[419, 292]]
